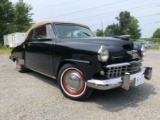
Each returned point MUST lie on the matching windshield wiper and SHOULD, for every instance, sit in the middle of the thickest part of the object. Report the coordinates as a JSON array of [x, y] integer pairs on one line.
[[86, 34]]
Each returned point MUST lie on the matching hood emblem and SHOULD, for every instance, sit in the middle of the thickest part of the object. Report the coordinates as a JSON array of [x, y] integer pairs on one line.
[[133, 53]]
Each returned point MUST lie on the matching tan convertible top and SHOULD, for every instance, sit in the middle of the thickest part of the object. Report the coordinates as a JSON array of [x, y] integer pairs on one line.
[[43, 23]]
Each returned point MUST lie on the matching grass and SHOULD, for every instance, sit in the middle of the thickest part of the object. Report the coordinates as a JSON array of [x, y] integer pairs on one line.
[[157, 47], [5, 51]]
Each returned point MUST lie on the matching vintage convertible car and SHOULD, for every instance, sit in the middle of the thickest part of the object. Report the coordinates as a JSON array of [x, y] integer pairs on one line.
[[80, 61]]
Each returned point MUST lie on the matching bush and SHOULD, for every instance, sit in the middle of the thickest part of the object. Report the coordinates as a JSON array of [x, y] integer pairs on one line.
[[1, 46], [4, 50], [158, 44]]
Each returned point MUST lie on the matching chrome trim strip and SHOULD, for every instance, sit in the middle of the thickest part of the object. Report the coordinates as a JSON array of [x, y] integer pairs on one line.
[[113, 82], [121, 64], [42, 73], [82, 61], [118, 65], [101, 48]]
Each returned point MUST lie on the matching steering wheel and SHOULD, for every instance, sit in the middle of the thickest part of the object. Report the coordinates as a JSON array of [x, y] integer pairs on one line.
[[70, 34], [77, 33]]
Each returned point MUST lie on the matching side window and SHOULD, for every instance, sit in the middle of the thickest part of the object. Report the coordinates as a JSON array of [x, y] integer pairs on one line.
[[40, 32], [50, 33], [44, 32]]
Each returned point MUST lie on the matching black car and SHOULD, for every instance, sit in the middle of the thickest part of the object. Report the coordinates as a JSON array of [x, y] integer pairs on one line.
[[80, 61]]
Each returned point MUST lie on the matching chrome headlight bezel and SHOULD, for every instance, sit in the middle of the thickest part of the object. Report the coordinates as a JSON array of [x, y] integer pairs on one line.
[[143, 50], [103, 54]]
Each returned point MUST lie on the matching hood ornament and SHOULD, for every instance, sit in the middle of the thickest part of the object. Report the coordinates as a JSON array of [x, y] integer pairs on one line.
[[123, 37]]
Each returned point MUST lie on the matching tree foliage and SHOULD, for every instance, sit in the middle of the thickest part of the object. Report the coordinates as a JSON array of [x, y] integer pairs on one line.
[[99, 32], [156, 34], [127, 24], [23, 16], [6, 17], [112, 30], [14, 17]]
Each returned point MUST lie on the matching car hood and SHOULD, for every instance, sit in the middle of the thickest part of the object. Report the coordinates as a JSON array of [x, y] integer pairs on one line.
[[113, 44]]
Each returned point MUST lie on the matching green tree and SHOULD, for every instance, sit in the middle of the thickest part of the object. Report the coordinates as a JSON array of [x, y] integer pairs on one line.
[[156, 34], [112, 30], [99, 32], [23, 17], [14, 18], [6, 17], [127, 24]]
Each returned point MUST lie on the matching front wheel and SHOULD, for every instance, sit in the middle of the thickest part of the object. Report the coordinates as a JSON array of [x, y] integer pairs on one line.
[[20, 67], [72, 83]]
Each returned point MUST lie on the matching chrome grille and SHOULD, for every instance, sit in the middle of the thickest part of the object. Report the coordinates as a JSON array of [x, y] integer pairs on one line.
[[119, 69]]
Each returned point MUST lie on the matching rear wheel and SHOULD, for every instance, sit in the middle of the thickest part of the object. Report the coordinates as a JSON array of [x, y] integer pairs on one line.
[[72, 83], [20, 67]]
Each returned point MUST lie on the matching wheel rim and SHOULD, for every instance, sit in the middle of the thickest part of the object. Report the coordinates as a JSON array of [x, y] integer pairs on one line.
[[18, 65], [73, 82]]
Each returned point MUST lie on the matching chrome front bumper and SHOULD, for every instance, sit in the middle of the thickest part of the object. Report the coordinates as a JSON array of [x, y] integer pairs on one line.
[[123, 81]]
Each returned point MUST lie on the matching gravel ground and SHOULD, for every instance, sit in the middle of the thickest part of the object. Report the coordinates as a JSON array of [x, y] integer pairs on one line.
[[31, 96]]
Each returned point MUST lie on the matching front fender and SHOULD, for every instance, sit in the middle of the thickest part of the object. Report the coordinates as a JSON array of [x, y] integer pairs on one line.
[[88, 68], [83, 55]]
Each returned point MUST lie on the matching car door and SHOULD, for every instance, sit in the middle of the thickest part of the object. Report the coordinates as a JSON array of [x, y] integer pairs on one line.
[[38, 49]]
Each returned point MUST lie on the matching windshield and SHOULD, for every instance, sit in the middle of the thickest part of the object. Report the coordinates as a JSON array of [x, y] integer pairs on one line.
[[73, 31]]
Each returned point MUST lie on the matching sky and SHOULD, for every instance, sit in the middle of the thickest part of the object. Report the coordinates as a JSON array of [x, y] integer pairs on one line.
[[98, 13]]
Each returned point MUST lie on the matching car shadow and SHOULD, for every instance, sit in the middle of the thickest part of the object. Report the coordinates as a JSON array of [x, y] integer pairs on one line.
[[43, 78], [111, 100], [119, 99]]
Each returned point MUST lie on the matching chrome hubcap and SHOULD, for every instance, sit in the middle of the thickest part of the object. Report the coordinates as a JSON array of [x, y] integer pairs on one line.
[[73, 81]]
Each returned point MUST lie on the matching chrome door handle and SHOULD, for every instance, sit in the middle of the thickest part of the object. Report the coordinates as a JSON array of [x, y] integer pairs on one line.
[[23, 46]]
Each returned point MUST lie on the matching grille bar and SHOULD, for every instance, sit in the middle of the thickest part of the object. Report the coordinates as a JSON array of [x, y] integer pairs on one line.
[[117, 70]]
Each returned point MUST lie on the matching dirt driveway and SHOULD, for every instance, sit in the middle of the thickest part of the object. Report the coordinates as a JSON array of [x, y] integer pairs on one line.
[[32, 96]]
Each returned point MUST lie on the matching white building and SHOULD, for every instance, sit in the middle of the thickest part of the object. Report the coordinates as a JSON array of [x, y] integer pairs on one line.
[[13, 39]]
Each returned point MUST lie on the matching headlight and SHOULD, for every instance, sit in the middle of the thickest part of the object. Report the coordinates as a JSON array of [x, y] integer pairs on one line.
[[103, 54], [143, 50]]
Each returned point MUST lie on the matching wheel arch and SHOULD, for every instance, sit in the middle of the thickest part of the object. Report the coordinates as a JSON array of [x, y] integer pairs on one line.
[[80, 64], [62, 64]]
